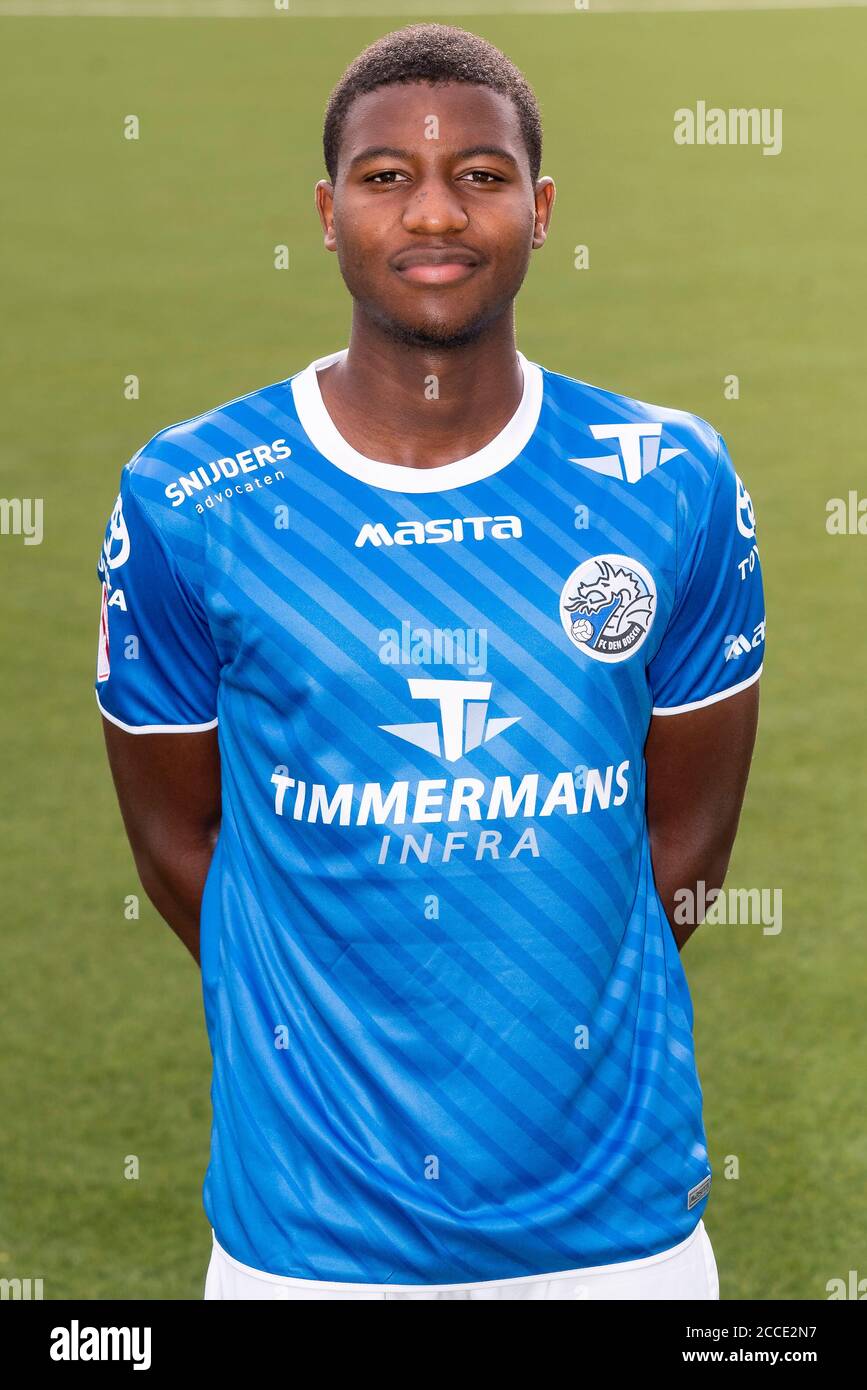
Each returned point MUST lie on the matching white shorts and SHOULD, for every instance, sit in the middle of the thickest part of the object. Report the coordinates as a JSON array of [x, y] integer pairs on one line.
[[685, 1271]]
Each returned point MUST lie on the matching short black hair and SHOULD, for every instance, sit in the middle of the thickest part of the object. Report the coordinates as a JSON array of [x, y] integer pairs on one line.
[[432, 53]]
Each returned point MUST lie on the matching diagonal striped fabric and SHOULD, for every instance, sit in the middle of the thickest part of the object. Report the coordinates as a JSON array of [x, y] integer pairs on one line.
[[451, 1033]]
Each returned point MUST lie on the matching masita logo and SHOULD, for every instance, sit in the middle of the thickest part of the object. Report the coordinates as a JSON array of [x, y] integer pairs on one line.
[[457, 528], [607, 607], [737, 645]]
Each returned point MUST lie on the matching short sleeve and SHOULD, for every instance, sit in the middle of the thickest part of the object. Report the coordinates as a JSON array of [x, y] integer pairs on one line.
[[713, 645], [157, 667]]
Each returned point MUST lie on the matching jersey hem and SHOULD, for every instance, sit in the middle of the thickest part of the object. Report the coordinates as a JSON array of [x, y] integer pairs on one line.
[[154, 728], [709, 699], [642, 1263]]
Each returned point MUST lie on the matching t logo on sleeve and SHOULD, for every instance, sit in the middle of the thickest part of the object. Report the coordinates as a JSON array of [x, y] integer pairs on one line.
[[640, 451]]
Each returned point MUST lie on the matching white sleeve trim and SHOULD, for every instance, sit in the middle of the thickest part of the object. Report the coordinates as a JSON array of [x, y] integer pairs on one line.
[[711, 699], [155, 728]]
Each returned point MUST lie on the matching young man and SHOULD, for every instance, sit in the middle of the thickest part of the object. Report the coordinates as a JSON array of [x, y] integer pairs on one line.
[[429, 677]]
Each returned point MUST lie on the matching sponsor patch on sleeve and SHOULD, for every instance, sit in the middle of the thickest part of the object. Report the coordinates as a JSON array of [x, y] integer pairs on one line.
[[102, 662]]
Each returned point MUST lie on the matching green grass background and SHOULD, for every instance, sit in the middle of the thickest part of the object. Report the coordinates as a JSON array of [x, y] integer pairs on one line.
[[155, 258]]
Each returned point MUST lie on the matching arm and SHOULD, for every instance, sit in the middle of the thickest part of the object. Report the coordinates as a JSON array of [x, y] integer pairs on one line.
[[168, 787], [697, 768], [157, 682]]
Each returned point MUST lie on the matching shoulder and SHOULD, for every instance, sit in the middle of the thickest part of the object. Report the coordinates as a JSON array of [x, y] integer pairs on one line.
[[633, 443], [183, 460]]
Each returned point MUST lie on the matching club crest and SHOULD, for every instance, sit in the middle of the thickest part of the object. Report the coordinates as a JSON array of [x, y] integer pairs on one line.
[[607, 607]]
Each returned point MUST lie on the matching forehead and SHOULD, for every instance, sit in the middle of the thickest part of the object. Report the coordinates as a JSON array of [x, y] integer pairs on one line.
[[400, 115]]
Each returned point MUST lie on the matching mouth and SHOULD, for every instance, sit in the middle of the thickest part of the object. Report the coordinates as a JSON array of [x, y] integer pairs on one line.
[[436, 267]]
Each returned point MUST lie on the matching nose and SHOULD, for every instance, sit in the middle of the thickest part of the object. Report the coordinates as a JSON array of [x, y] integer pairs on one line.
[[434, 207]]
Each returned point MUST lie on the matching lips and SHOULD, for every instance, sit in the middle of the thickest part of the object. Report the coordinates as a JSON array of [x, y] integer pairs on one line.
[[436, 265]]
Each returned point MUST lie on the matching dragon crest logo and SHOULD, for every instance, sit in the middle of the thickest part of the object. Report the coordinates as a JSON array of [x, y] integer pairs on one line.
[[607, 606]]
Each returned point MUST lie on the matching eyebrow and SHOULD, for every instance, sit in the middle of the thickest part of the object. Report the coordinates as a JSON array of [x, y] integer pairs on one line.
[[389, 151]]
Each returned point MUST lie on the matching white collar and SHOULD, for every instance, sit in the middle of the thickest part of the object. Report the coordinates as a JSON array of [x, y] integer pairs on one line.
[[396, 477]]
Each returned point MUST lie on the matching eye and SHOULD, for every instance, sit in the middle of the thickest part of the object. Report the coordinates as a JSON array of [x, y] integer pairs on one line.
[[386, 175], [483, 174]]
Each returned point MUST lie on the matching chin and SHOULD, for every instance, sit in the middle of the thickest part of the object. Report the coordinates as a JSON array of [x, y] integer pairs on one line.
[[432, 333]]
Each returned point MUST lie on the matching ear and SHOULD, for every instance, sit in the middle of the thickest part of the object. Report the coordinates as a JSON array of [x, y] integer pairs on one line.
[[324, 195], [544, 195]]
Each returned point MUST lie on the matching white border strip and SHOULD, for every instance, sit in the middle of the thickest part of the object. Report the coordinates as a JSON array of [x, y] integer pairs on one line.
[[154, 728], [325, 1286], [342, 9], [711, 699]]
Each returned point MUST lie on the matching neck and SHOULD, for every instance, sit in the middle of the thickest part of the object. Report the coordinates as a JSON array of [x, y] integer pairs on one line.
[[422, 406]]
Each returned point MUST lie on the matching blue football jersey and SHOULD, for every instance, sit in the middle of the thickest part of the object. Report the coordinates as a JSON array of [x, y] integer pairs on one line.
[[451, 1032]]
